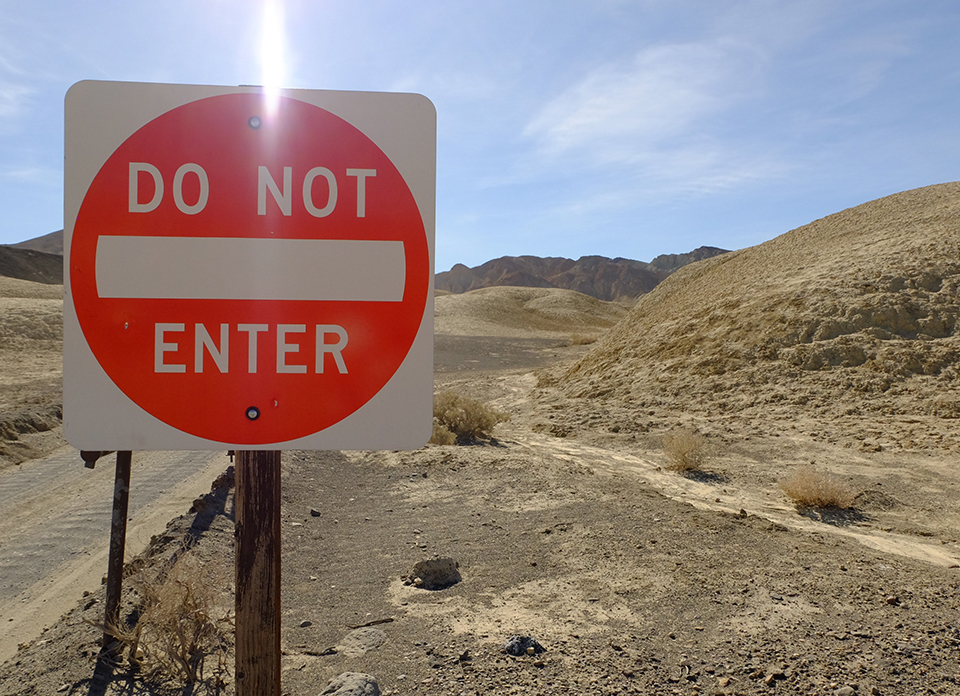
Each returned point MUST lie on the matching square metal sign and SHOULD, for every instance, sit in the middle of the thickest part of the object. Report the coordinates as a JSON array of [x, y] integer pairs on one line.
[[246, 269]]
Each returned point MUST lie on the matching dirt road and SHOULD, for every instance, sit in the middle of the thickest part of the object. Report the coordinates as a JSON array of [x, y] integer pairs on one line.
[[55, 527]]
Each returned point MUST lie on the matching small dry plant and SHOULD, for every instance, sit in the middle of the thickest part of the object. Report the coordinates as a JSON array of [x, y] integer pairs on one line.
[[185, 617], [441, 434], [686, 450], [809, 487], [463, 417]]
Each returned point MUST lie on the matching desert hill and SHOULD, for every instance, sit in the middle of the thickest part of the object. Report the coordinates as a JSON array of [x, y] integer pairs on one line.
[[844, 320], [597, 276], [30, 264], [523, 312], [31, 349], [50, 243]]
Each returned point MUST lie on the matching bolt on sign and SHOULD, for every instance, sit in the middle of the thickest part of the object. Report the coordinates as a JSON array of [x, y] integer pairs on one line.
[[247, 269]]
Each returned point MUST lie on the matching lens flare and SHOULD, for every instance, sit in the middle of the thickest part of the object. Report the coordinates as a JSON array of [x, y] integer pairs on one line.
[[272, 43]]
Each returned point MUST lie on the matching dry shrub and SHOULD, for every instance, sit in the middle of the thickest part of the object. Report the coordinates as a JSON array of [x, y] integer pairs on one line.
[[582, 340], [808, 487], [441, 435], [466, 418], [185, 615], [686, 450]]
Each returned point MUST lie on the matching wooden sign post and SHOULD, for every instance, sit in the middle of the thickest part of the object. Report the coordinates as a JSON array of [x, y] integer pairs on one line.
[[118, 537], [257, 530]]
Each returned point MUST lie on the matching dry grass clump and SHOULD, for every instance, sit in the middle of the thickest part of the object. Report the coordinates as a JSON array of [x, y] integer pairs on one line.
[[184, 617], [809, 487], [686, 450], [441, 434], [463, 418]]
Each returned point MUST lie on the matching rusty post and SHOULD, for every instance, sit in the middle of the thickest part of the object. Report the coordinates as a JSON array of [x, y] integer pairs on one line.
[[118, 536], [257, 508], [90, 457]]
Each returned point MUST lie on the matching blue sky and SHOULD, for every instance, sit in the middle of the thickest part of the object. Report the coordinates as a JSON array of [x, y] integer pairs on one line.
[[565, 128]]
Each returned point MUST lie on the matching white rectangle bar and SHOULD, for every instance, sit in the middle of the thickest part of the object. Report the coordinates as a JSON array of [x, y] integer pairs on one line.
[[243, 268]]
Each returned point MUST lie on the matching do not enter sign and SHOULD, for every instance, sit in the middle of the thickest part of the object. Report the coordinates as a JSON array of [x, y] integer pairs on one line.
[[246, 269]]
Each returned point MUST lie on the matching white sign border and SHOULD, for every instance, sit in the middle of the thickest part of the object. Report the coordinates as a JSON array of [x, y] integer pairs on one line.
[[99, 117]]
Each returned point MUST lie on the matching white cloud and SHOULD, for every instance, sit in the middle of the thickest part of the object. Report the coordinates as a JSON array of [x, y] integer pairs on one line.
[[626, 113], [14, 94], [664, 123], [42, 176], [13, 99]]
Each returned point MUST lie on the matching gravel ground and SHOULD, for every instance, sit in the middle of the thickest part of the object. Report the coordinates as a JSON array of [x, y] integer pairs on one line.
[[629, 586]]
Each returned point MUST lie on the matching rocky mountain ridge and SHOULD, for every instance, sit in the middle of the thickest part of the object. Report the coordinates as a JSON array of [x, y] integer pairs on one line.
[[597, 276]]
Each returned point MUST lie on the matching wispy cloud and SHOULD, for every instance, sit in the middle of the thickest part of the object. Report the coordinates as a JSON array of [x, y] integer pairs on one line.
[[43, 176], [624, 113], [665, 122], [15, 95], [748, 102], [13, 100]]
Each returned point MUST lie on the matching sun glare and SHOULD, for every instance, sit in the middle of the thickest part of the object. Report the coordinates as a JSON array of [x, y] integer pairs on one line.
[[272, 46]]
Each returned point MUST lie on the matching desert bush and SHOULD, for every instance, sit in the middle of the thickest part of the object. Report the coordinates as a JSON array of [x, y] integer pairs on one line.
[[582, 340], [686, 450], [441, 435], [809, 487], [184, 617], [465, 418]]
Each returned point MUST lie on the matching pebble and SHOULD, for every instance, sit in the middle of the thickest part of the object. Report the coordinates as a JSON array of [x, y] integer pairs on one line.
[[435, 573], [352, 684], [361, 640], [519, 645]]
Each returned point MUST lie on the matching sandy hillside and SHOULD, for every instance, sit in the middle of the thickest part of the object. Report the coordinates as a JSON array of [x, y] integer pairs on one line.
[[524, 312], [825, 329], [31, 264], [31, 364]]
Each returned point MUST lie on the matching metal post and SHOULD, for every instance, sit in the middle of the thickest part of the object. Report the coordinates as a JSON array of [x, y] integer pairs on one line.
[[257, 508], [118, 536]]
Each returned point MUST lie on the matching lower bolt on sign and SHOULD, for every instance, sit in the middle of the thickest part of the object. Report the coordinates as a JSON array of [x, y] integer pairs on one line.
[[247, 269]]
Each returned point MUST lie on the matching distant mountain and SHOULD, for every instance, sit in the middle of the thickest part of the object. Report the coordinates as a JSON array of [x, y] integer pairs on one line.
[[28, 264], [597, 276], [672, 262], [40, 260], [50, 243]]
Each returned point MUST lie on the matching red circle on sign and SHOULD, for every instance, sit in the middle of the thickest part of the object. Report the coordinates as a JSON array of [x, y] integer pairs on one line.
[[245, 369]]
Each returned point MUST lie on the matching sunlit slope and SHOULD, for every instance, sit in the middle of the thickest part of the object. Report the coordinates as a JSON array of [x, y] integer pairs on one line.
[[851, 315], [519, 312]]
